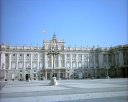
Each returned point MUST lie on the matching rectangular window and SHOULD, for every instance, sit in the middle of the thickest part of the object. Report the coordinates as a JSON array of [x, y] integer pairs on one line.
[[6, 54], [41, 75], [20, 65], [34, 75], [68, 64], [13, 65], [34, 65], [74, 64], [80, 57], [20, 76], [85, 64]]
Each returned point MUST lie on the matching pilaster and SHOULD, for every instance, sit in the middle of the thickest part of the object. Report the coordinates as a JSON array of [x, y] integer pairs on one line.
[[59, 74], [46, 61], [38, 61], [17, 60], [65, 57], [82, 63], [59, 61], [24, 61], [31, 61], [121, 61], [88, 61], [46, 74], [77, 61], [2, 61], [94, 60], [10, 55], [71, 61]]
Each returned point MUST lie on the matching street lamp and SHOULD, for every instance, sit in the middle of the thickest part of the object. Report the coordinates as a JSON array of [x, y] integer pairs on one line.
[[53, 53]]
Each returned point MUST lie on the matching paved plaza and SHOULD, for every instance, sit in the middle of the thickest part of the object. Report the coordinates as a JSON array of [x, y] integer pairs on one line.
[[96, 90]]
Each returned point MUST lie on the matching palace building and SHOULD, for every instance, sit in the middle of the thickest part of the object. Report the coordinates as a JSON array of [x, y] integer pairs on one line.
[[23, 62]]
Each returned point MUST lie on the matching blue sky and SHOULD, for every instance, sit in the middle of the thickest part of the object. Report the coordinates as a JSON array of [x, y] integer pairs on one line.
[[77, 22]]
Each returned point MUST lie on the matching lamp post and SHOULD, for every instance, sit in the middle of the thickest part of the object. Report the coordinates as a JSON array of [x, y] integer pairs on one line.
[[53, 53]]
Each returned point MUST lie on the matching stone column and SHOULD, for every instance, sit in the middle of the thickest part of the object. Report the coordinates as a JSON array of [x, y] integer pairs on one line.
[[121, 60], [95, 74], [31, 60], [65, 60], [88, 62], [71, 61], [107, 61], [100, 60], [38, 61], [17, 61], [24, 67], [59, 74], [59, 62], [107, 66], [46, 61], [77, 61], [46, 74], [65, 76], [10, 61], [82, 63], [94, 60], [2, 61]]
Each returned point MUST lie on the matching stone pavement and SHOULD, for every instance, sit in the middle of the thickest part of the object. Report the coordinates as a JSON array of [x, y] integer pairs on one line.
[[96, 90]]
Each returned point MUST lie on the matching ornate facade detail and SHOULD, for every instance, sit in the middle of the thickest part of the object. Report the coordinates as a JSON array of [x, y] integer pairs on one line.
[[21, 62]]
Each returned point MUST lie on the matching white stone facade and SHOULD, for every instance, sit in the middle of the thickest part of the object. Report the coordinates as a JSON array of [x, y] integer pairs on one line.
[[22, 62]]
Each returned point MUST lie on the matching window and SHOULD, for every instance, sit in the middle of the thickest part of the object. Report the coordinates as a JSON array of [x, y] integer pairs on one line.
[[13, 54], [20, 54], [41, 75], [68, 55], [20, 65], [20, 76], [80, 57], [6, 54], [62, 47], [85, 64], [74, 57], [34, 75], [85, 57], [79, 64], [34, 65], [68, 64], [74, 65], [27, 55], [13, 65]]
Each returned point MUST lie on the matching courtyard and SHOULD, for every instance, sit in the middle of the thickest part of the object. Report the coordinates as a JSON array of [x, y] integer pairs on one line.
[[96, 90]]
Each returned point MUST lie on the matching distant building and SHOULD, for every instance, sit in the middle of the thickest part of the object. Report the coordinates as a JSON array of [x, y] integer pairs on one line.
[[23, 62]]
